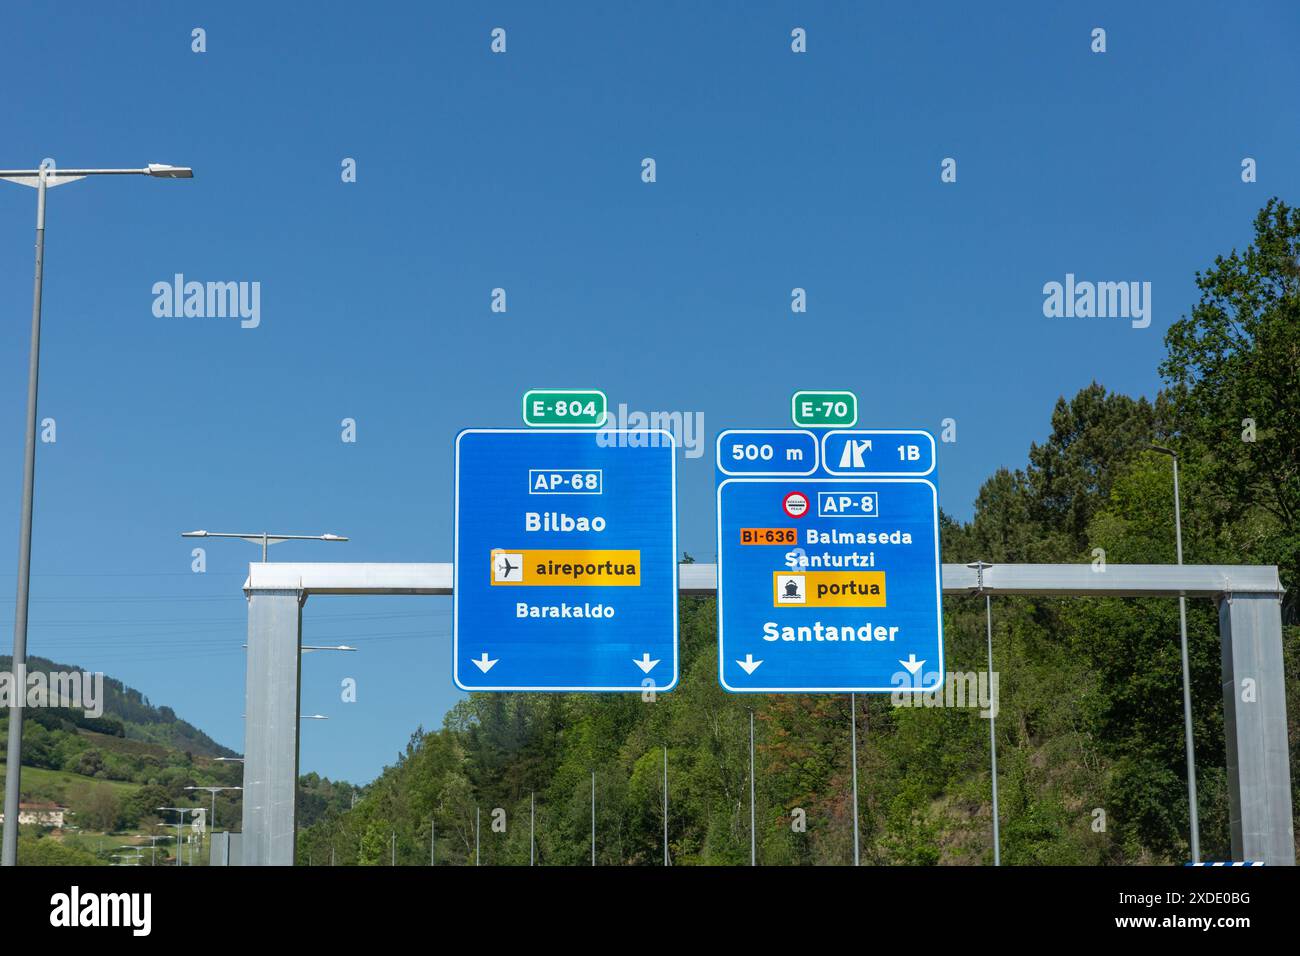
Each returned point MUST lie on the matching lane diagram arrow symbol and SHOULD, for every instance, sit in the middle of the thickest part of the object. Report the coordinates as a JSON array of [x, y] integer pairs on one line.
[[482, 663], [645, 663], [912, 664], [749, 664]]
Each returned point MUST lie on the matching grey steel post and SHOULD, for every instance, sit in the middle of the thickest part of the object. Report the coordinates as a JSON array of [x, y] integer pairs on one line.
[[1189, 741], [532, 828], [993, 736], [853, 733], [753, 837], [47, 176], [1193, 812], [433, 841], [665, 804], [272, 725], [476, 851], [13, 765], [1254, 719], [593, 818]]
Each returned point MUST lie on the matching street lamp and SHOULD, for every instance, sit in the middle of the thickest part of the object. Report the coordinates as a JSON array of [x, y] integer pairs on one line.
[[133, 846], [180, 824], [214, 791], [1187, 679], [264, 539], [153, 846], [43, 178]]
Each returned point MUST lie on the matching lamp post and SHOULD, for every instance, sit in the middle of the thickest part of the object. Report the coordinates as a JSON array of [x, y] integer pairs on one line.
[[180, 823], [214, 791], [1187, 677], [153, 847], [42, 179], [264, 539], [138, 853]]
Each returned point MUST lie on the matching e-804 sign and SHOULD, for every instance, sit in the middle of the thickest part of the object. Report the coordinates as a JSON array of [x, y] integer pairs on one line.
[[565, 408]]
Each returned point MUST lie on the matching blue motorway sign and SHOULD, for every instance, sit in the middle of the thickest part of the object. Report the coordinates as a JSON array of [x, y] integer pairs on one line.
[[829, 578], [565, 574]]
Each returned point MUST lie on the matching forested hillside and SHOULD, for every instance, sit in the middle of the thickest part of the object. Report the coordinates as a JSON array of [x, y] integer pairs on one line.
[[115, 770], [1089, 731]]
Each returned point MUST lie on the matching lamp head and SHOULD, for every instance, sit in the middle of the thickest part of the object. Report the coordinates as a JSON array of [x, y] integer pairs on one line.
[[163, 171]]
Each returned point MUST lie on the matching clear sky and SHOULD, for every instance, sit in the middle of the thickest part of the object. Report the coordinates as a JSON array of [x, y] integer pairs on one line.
[[522, 171]]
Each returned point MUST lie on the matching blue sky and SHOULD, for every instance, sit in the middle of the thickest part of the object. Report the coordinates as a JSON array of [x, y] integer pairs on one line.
[[522, 171]]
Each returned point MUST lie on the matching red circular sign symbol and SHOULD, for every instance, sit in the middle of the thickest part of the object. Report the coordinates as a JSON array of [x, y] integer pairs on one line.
[[795, 504]]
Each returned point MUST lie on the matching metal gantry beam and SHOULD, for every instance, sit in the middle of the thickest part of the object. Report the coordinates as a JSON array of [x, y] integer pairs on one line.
[[1116, 580], [1250, 626]]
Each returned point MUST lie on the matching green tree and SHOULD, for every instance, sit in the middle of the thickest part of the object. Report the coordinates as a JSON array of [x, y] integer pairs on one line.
[[1234, 365]]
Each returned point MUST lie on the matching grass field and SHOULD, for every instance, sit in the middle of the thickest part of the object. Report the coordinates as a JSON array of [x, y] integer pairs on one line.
[[59, 786]]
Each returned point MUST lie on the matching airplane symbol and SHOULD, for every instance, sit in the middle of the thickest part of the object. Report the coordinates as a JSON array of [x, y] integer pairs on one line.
[[506, 571]]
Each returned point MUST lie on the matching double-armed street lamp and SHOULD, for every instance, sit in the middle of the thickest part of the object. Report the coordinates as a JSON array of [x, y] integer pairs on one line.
[[46, 177], [214, 791], [180, 824], [264, 539]]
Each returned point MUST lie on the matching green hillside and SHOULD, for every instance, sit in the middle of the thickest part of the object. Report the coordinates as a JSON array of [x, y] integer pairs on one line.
[[113, 772], [129, 715]]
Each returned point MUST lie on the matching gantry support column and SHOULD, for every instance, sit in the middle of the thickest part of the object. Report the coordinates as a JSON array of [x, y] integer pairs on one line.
[[271, 722], [1254, 721]]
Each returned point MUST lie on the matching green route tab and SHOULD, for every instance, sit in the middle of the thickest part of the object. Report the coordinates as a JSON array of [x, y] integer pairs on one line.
[[824, 409], [565, 408]]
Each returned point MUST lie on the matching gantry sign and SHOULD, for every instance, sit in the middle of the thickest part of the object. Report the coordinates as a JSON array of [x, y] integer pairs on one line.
[[828, 561], [565, 570]]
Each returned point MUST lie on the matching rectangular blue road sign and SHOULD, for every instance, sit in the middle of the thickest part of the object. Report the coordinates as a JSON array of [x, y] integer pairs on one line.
[[881, 453], [771, 452], [829, 584], [565, 560]]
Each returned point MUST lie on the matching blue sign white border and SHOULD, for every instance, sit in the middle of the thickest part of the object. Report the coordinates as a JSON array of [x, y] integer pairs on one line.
[[938, 585], [637, 688], [817, 452], [934, 452]]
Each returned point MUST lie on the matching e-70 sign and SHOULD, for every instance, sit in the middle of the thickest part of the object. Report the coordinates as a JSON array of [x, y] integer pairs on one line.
[[824, 409]]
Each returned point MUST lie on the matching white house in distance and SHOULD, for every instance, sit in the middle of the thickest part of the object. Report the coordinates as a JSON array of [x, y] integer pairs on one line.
[[41, 814]]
